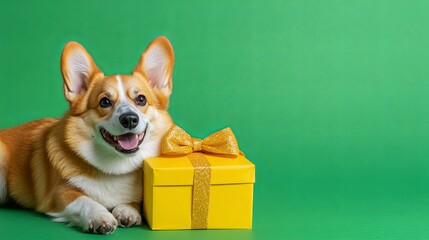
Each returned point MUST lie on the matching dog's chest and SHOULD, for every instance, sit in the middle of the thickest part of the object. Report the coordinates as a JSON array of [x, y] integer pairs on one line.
[[111, 190]]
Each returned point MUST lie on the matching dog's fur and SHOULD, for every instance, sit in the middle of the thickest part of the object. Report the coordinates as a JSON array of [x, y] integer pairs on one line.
[[66, 167]]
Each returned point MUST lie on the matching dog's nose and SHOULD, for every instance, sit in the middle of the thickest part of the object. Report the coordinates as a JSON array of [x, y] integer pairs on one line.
[[129, 120]]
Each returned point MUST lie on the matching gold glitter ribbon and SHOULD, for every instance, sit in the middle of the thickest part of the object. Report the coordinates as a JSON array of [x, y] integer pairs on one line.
[[200, 191], [178, 142]]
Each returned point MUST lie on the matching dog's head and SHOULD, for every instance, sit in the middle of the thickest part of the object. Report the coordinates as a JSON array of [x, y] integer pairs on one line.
[[117, 121]]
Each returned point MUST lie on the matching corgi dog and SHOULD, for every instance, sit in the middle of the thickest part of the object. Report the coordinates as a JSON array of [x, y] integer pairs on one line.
[[85, 168]]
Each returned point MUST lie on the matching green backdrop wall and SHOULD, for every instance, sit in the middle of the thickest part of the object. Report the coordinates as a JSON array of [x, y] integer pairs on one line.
[[328, 98]]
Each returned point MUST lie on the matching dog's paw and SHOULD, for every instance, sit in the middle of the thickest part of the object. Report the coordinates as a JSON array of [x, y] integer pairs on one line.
[[101, 222], [126, 215]]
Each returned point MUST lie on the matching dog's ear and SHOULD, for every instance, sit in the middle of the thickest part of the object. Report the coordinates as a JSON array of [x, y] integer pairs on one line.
[[77, 68], [156, 65]]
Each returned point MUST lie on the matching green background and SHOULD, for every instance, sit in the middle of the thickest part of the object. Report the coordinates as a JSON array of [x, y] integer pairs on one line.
[[328, 98]]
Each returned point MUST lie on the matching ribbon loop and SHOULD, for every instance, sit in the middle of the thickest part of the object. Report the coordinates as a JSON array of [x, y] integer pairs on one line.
[[179, 142]]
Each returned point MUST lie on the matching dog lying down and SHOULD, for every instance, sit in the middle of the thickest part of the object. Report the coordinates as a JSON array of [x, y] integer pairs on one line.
[[84, 169]]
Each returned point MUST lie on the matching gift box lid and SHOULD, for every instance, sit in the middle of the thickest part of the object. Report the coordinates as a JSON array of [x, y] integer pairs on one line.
[[178, 170]]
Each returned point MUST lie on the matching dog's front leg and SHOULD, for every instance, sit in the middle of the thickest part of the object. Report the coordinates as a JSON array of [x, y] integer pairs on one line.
[[82, 211], [128, 215]]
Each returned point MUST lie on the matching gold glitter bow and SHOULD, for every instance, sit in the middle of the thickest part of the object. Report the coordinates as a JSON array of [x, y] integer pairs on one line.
[[179, 142]]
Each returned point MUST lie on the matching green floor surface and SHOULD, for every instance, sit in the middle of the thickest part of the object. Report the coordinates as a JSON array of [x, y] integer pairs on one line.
[[343, 211]]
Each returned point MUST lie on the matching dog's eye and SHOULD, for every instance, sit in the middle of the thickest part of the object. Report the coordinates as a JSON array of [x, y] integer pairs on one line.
[[105, 102], [141, 100]]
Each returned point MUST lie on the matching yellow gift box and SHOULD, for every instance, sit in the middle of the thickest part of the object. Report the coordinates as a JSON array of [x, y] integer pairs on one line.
[[198, 184]]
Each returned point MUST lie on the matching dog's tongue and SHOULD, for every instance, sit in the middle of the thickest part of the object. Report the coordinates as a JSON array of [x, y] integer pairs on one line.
[[128, 141]]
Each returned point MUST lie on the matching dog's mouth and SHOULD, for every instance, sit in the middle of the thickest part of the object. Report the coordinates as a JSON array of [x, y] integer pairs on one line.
[[125, 143]]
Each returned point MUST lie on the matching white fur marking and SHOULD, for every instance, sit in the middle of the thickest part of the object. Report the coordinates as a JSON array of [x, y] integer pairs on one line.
[[85, 213], [122, 93], [111, 190], [126, 211]]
